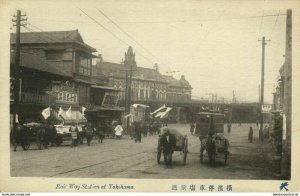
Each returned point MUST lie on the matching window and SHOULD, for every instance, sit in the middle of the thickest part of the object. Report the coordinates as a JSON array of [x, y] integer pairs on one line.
[[84, 65]]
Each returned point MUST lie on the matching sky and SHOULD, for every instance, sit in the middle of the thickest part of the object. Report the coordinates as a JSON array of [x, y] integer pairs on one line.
[[213, 43]]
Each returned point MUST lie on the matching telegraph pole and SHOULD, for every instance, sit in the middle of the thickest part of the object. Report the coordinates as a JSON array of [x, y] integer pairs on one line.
[[17, 75], [287, 105], [262, 86]]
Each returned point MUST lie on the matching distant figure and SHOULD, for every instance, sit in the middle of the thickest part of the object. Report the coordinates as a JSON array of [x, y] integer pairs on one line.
[[74, 135], [211, 148], [118, 131], [229, 127], [53, 133], [89, 134], [138, 132], [100, 132], [192, 128], [168, 142], [250, 135]]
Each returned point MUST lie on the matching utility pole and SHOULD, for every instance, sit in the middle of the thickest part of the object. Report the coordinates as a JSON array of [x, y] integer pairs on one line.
[[262, 87], [126, 92], [129, 93], [287, 105], [17, 75]]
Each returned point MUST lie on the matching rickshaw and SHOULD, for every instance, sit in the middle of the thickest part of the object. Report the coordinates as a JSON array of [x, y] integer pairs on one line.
[[181, 145], [210, 127]]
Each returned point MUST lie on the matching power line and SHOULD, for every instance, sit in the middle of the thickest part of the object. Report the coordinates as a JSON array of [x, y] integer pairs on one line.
[[114, 35], [261, 22], [121, 29], [275, 23]]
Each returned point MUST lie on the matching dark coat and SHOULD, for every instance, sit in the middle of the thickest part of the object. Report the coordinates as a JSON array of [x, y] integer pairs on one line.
[[168, 146]]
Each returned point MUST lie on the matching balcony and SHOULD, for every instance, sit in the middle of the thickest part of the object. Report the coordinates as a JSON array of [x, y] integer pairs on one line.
[[33, 98]]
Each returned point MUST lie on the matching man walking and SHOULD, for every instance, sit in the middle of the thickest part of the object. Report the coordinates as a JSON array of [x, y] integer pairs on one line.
[[229, 127], [138, 132], [168, 142], [100, 132], [250, 135]]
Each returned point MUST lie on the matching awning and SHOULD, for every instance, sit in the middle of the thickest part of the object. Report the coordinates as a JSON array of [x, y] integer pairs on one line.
[[83, 81], [140, 105], [105, 87], [76, 117]]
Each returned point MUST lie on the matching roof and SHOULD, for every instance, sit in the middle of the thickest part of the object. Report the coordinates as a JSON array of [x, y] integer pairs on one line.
[[105, 87], [118, 70], [177, 83], [33, 61], [51, 37]]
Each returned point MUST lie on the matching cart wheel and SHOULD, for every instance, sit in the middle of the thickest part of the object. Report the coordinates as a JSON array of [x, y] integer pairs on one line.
[[158, 155], [185, 150], [58, 141]]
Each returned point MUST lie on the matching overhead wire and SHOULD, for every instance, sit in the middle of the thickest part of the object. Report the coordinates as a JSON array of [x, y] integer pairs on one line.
[[131, 37], [113, 34]]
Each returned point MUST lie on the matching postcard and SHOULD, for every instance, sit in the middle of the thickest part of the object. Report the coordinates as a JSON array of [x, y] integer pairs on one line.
[[150, 96]]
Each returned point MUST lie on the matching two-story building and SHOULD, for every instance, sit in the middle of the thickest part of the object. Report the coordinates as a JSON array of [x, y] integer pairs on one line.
[[56, 71]]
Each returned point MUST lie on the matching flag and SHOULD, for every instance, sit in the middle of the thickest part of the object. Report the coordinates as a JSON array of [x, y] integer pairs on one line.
[[69, 112], [60, 111], [159, 109], [46, 113], [83, 110]]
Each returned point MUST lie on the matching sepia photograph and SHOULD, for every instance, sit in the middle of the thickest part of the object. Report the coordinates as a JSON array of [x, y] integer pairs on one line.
[[150, 90]]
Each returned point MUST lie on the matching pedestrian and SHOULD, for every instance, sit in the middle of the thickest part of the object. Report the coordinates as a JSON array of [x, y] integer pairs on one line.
[[47, 135], [100, 132], [53, 133], [211, 148], [192, 127], [138, 132], [118, 131], [74, 135], [168, 143], [89, 134], [250, 135], [229, 127], [20, 135]]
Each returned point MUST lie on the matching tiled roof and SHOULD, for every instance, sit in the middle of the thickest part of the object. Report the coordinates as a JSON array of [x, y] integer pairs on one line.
[[51, 37], [33, 61], [118, 70]]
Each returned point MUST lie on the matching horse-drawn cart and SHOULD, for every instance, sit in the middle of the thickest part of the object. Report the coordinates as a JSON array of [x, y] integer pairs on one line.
[[34, 134], [181, 145], [210, 129]]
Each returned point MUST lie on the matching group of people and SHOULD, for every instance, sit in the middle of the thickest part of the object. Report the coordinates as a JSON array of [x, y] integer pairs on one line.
[[139, 129], [45, 135]]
